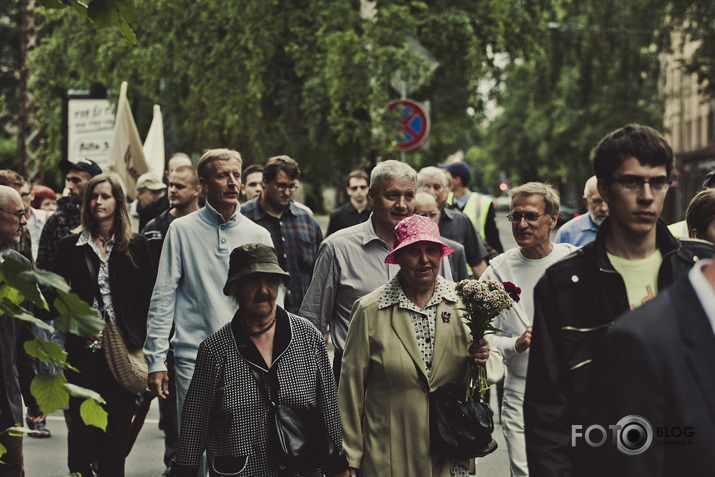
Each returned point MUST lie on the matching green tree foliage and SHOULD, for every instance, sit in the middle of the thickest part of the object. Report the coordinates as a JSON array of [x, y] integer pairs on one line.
[[20, 286], [308, 78], [596, 68]]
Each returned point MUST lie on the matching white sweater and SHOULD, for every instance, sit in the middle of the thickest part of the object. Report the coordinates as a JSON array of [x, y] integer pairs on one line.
[[512, 266]]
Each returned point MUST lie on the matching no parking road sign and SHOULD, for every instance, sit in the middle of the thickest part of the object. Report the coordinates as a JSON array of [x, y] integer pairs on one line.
[[412, 123]]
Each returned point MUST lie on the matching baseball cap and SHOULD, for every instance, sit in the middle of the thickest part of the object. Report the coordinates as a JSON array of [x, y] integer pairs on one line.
[[84, 164], [150, 181], [458, 169]]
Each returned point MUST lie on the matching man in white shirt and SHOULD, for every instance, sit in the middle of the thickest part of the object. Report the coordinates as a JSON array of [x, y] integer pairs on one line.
[[534, 210]]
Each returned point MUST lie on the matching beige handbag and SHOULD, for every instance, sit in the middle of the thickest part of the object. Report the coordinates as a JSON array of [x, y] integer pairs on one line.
[[127, 366]]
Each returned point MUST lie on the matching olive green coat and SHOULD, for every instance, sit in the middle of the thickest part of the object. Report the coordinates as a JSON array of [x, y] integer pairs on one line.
[[383, 401]]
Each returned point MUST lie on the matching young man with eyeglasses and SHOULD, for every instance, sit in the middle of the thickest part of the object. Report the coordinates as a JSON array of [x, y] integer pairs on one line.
[[577, 300], [295, 232], [357, 210]]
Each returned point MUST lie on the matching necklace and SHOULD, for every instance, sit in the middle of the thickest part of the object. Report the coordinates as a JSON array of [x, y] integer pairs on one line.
[[253, 334], [105, 240]]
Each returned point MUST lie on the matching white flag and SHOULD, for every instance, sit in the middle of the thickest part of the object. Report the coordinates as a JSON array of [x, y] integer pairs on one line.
[[126, 157], [154, 144]]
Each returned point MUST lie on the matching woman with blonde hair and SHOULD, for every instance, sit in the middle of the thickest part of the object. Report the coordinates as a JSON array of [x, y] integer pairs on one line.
[[110, 268]]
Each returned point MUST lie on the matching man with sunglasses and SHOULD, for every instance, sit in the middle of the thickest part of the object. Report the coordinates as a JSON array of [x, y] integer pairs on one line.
[[633, 257], [67, 215], [295, 232], [357, 210]]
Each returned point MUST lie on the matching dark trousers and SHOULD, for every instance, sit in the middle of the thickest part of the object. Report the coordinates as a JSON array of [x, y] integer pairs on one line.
[[337, 365], [169, 413], [12, 461], [87, 444]]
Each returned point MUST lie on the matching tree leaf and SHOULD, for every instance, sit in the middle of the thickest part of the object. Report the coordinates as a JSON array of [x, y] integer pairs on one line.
[[127, 31], [44, 350], [78, 391], [13, 273], [18, 431], [21, 313], [45, 278], [77, 317], [93, 414], [103, 14], [49, 391], [2, 447]]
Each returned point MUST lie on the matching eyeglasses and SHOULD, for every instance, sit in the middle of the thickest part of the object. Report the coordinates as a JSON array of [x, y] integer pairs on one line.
[[361, 187], [637, 183], [431, 215], [19, 215], [529, 216], [285, 187]]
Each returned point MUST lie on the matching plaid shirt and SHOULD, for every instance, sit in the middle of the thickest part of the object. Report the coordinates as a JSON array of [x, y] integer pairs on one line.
[[296, 236], [59, 225]]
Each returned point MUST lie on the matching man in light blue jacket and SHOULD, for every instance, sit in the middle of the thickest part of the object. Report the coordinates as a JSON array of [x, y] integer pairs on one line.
[[192, 269]]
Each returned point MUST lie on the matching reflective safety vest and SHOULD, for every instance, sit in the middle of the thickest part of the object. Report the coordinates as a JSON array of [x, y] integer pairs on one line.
[[476, 208]]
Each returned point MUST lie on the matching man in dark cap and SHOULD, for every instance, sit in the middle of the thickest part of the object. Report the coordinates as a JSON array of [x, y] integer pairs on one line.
[[478, 207], [67, 216]]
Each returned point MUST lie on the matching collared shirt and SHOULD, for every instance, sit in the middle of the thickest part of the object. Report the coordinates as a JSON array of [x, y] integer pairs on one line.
[[704, 290], [35, 224], [454, 225], [350, 264], [579, 231], [423, 320], [189, 286], [85, 238], [296, 236], [346, 216]]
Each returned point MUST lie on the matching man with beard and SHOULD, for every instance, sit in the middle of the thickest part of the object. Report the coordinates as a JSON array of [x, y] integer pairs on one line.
[[67, 216], [583, 229], [295, 233]]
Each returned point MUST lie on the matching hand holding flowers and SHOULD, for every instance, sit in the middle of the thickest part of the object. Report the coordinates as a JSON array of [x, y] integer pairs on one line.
[[482, 302]]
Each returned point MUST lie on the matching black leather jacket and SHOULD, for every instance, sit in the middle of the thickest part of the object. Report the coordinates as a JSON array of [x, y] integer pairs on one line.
[[576, 301]]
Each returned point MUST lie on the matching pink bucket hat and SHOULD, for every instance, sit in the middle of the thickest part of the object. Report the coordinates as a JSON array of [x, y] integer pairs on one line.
[[415, 229]]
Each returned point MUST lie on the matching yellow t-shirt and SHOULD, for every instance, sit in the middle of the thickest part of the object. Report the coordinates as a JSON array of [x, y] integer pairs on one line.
[[640, 277]]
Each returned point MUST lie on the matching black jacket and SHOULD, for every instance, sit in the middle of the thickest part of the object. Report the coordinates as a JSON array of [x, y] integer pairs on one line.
[[575, 303], [17, 369], [131, 285], [155, 233]]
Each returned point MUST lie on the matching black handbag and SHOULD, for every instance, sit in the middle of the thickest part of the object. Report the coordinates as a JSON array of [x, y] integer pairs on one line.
[[297, 437], [460, 429]]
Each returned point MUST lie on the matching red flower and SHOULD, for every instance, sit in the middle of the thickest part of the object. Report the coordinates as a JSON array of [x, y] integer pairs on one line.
[[513, 291]]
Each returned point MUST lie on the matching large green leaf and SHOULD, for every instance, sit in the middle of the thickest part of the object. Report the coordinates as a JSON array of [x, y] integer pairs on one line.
[[16, 311], [18, 431], [78, 391], [76, 317], [45, 350], [46, 278], [49, 391], [14, 273], [2, 447], [93, 414]]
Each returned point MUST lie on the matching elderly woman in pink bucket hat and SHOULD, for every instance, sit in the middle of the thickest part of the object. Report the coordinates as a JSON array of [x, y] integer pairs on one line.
[[405, 339]]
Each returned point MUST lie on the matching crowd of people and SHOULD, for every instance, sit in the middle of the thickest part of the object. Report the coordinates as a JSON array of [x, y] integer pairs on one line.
[[233, 305]]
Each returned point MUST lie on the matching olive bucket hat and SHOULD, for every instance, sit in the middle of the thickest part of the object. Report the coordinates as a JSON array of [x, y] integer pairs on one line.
[[252, 258]]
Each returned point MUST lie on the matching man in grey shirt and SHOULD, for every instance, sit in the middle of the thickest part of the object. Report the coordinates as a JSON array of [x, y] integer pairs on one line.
[[351, 262]]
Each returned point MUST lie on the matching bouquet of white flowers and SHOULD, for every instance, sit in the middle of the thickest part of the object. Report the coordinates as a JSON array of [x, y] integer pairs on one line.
[[482, 302]]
